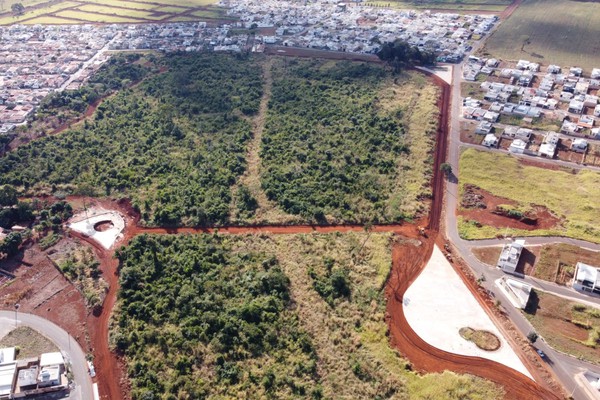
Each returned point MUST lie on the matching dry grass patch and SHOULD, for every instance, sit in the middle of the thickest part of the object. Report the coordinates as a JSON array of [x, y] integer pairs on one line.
[[485, 340], [487, 255], [30, 343], [569, 195]]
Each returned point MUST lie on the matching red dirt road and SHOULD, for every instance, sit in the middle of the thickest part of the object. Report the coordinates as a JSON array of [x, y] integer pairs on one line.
[[408, 262]]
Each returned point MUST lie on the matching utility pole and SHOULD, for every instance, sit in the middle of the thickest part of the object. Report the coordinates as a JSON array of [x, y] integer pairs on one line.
[[17, 305]]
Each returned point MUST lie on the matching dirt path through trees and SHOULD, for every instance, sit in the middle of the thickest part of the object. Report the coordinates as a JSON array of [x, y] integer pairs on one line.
[[267, 210]]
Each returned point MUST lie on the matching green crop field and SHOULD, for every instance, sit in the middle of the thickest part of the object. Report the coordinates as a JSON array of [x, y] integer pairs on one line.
[[573, 197], [563, 32], [111, 11], [280, 317]]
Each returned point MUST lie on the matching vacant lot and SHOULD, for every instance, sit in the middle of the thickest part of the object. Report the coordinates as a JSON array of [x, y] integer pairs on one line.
[[31, 343], [567, 326], [560, 32], [344, 141], [464, 5], [111, 11], [570, 196], [557, 262], [297, 316]]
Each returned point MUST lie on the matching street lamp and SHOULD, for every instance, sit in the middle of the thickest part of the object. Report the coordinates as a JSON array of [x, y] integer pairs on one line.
[[16, 308]]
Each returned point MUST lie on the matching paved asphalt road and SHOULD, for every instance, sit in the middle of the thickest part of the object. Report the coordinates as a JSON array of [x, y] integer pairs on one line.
[[67, 344], [565, 367]]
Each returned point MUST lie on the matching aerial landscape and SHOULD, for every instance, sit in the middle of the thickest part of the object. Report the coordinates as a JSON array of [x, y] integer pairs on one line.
[[313, 199]]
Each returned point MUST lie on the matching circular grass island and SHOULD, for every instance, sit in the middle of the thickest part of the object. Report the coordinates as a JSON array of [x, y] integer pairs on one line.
[[485, 340]]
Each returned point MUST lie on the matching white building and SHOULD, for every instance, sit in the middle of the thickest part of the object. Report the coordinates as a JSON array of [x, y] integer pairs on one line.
[[7, 376], [509, 257], [517, 146], [587, 278], [490, 140]]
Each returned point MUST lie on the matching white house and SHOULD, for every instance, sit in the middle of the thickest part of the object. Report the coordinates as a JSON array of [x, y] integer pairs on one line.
[[490, 140], [586, 278], [509, 257], [547, 150], [517, 146], [579, 145]]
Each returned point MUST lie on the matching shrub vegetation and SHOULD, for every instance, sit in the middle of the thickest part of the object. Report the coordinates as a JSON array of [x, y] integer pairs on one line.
[[337, 139], [212, 316], [175, 143]]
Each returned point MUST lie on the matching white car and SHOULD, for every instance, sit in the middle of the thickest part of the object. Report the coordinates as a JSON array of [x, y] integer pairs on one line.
[[91, 369]]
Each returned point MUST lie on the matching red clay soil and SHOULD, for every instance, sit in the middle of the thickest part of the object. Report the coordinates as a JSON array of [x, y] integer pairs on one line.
[[485, 216], [40, 289], [408, 262]]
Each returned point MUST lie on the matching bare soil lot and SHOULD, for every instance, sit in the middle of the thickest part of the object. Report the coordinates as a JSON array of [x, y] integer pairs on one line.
[[567, 326], [557, 262]]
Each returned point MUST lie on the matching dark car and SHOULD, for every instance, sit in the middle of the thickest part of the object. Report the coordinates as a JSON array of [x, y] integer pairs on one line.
[[541, 353]]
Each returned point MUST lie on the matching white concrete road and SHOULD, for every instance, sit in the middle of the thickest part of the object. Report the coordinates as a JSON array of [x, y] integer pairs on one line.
[[73, 353], [438, 318]]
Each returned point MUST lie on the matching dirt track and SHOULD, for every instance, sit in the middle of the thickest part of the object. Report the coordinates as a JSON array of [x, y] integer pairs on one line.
[[408, 262]]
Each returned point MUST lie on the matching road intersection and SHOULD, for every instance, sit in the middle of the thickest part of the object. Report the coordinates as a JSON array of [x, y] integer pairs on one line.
[[564, 366]]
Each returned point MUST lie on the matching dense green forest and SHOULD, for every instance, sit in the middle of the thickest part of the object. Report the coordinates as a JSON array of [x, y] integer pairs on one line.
[[289, 316], [331, 151], [174, 143]]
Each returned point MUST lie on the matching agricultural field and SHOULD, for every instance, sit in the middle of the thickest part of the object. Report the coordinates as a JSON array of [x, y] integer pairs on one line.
[[458, 6], [345, 142], [538, 31], [175, 143], [567, 326], [568, 198], [290, 316], [112, 11]]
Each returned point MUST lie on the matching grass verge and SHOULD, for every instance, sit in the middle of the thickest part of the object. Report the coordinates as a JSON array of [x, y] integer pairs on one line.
[[570, 195]]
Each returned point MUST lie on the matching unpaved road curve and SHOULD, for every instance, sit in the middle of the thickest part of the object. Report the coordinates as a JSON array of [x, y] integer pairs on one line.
[[408, 262]]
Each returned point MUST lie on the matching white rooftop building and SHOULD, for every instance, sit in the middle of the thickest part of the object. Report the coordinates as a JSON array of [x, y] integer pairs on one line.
[[509, 257], [7, 377], [517, 146], [587, 278]]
